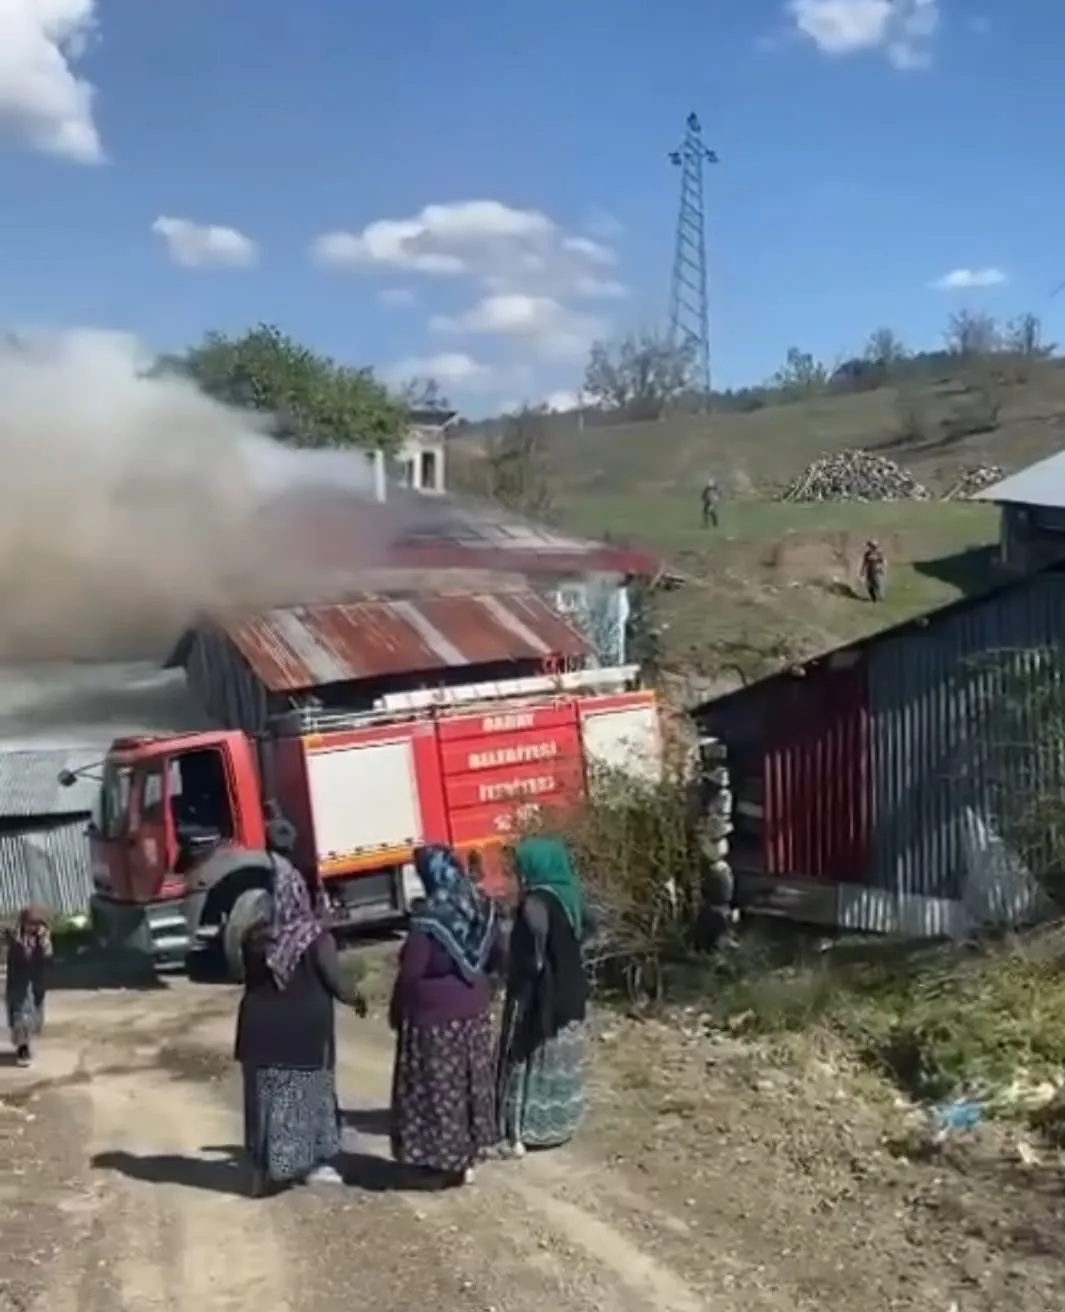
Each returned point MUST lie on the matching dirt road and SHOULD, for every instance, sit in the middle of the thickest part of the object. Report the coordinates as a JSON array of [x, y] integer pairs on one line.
[[120, 1187]]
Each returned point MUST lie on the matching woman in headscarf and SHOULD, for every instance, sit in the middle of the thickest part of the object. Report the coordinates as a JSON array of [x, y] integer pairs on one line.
[[29, 947], [443, 1087], [286, 1033], [543, 1045]]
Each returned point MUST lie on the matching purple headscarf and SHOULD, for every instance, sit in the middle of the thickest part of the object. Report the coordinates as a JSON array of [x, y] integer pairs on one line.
[[296, 922]]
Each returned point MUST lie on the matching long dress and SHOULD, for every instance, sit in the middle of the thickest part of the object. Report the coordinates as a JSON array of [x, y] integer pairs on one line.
[[287, 1049], [543, 1046], [443, 1083]]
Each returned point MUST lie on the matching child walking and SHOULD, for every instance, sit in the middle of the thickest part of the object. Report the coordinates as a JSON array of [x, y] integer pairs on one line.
[[29, 946]]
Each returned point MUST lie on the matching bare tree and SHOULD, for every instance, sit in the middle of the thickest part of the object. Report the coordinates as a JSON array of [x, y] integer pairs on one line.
[[885, 349], [517, 465], [424, 394], [639, 376], [801, 374], [1025, 343], [972, 334]]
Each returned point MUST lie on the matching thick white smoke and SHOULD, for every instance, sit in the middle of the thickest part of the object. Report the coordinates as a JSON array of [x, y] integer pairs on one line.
[[130, 502]]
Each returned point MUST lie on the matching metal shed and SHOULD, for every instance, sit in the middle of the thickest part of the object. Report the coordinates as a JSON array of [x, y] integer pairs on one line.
[[874, 786], [63, 716], [245, 669]]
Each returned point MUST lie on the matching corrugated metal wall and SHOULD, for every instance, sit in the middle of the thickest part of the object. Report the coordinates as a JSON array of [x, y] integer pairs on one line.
[[955, 710], [48, 864], [222, 683], [817, 790]]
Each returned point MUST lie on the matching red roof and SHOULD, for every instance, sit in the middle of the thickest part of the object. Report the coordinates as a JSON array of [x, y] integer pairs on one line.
[[307, 646]]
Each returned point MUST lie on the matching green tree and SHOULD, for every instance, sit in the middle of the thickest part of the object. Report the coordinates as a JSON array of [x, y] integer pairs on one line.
[[315, 401]]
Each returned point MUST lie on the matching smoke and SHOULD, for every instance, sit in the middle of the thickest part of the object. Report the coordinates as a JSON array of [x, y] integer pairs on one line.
[[129, 502]]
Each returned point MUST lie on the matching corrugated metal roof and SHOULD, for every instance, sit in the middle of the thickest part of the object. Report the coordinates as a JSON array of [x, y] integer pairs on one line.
[[307, 646], [1041, 484], [439, 532], [29, 781]]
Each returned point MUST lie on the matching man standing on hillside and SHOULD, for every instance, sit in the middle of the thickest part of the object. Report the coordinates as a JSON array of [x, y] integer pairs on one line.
[[874, 567], [711, 501]]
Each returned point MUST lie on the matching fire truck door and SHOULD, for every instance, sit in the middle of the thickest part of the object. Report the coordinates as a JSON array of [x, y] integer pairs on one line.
[[147, 862]]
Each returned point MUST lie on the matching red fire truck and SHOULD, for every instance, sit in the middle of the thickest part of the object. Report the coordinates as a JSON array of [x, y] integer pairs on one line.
[[179, 857]]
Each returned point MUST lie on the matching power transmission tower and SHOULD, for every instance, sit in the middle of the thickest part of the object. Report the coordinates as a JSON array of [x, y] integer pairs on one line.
[[689, 310]]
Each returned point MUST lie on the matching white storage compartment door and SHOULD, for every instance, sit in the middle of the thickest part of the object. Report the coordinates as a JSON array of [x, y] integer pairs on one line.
[[364, 798], [628, 739]]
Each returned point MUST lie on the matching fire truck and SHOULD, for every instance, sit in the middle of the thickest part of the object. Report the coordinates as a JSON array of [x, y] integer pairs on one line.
[[180, 863]]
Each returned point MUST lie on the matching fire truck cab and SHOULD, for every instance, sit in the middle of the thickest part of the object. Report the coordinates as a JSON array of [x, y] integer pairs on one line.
[[180, 861]]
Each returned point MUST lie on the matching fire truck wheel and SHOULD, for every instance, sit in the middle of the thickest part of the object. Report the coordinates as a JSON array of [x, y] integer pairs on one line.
[[252, 905]]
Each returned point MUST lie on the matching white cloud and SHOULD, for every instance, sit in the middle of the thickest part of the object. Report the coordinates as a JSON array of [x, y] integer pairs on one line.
[[205, 245], [553, 328], [443, 240], [44, 104], [528, 278], [454, 367], [563, 401], [396, 297], [964, 279], [904, 30], [502, 248]]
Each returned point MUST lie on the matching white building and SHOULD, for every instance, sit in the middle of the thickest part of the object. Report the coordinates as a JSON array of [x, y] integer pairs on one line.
[[420, 462]]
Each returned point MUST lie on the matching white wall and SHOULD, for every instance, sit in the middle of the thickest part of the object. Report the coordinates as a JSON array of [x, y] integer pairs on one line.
[[599, 605], [414, 447]]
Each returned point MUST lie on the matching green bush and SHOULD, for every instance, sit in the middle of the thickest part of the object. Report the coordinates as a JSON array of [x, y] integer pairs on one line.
[[637, 846]]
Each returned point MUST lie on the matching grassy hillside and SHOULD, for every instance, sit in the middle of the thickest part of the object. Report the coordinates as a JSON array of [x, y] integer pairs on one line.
[[778, 581], [764, 449]]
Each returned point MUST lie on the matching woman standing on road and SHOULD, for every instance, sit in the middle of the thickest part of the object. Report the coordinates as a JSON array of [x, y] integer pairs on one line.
[[286, 1034], [443, 1095], [543, 1046], [29, 947]]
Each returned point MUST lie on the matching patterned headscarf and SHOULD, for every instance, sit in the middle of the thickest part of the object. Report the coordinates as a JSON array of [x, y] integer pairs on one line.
[[544, 865], [455, 912], [295, 924]]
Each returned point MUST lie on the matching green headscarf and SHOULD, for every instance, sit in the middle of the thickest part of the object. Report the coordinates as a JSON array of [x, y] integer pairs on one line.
[[545, 864]]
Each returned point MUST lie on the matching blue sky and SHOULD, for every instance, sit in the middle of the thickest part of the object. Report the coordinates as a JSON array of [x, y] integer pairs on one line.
[[867, 150]]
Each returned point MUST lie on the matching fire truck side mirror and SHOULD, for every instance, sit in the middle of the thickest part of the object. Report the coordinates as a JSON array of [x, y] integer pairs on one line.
[[67, 778]]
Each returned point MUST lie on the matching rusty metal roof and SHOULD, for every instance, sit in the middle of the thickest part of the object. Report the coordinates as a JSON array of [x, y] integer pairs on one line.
[[432, 532], [306, 646]]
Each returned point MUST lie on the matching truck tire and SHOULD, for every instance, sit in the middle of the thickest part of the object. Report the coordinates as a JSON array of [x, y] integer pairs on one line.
[[252, 905]]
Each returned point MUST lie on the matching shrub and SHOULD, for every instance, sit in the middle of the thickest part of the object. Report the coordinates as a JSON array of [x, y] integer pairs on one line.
[[638, 847]]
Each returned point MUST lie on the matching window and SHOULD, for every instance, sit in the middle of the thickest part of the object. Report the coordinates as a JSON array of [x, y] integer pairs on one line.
[[199, 794], [152, 796], [114, 800]]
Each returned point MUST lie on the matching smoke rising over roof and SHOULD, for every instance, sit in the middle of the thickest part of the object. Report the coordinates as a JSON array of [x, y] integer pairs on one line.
[[129, 502]]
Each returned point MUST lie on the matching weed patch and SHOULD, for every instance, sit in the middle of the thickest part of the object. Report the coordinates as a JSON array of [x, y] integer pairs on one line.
[[939, 1023]]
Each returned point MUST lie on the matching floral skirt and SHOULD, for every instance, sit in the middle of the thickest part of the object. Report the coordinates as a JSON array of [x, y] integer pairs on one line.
[[443, 1094], [291, 1120]]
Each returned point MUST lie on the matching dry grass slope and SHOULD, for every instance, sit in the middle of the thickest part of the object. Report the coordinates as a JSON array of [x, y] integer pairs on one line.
[[777, 582]]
